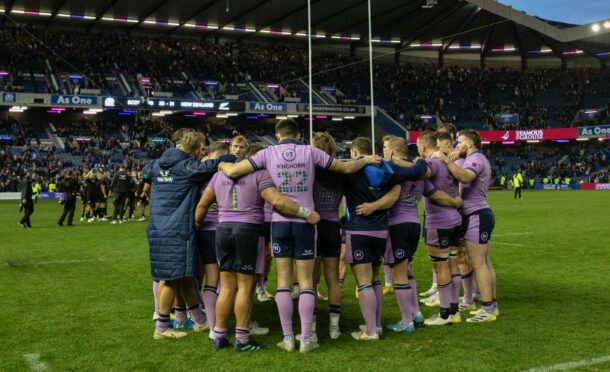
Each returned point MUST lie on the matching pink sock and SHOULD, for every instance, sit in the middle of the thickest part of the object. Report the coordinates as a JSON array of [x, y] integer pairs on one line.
[[368, 305], [285, 308], [444, 294], [180, 312], [468, 287], [387, 273], [379, 294], [403, 296], [456, 284], [307, 302], [209, 299], [414, 299]]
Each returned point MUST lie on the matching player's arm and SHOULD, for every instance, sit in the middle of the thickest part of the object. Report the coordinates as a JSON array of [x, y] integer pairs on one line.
[[236, 170], [416, 172], [443, 199], [385, 202], [207, 198], [460, 174], [353, 166], [406, 164], [287, 207], [199, 170]]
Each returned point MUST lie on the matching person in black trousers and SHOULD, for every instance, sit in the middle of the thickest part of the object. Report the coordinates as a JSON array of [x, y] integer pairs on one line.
[[26, 200], [71, 187], [120, 189]]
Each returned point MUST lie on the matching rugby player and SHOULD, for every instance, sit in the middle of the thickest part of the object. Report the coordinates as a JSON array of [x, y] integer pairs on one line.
[[328, 193], [366, 234], [292, 169], [441, 231], [240, 215], [474, 177]]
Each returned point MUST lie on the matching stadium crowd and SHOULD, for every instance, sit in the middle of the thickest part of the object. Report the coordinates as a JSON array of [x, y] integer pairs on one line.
[[462, 95]]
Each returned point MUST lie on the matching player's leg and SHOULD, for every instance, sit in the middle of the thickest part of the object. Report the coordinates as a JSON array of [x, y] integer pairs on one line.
[[282, 244], [167, 293], [224, 308], [304, 236], [191, 305], [212, 273], [387, 275], [261, 285], [456, 284], [438, 251]]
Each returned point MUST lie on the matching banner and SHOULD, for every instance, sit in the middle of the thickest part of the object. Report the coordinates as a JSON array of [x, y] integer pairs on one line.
[[595, 186], [594, 132], [175, 104], [62, 99], [267, 107], [304, 107], [518, 135]]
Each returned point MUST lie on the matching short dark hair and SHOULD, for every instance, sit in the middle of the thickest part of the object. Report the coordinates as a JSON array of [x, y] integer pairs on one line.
[[444, 136], [447, 128], [472, 135], [287, 128], [363, 145]]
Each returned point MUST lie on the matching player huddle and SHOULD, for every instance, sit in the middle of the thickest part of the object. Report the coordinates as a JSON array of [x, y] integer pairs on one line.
[[213, 222]]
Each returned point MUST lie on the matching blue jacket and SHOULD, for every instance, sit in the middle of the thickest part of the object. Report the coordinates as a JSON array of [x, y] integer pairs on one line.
[[176, 179]]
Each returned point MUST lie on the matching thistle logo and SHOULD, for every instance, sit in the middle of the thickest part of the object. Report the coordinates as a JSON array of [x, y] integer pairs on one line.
[[164, 177], [358, 255], [444, 242], [505, 136], [276, 248], [484, 236], [399, 253]]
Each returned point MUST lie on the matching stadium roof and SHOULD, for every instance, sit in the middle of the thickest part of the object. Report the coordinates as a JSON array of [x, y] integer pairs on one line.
[[483, 26]]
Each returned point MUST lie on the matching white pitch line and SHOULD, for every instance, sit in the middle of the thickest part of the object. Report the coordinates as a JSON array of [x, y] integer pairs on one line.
[[35, 363], [511, 244], [511, 234], [572, 365]]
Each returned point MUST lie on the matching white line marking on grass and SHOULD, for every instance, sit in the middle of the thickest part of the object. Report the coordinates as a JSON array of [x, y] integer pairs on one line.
[[511, 234], [511, 244], [35, 363], [56, 262], [572, 365]]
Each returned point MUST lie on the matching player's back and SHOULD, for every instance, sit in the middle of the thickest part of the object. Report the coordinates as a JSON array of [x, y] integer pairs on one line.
[[240, 200], [405, 209], [328, 193], [358, 190], [440, 179], [292, 169]]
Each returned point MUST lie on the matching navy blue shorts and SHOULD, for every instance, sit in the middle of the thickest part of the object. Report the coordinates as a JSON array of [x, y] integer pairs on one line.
[[267, 232], [206, 241], [402, 242], [363, 249], [478, 226], [237, 247], [293, 240], [329, 239], [443, 238]]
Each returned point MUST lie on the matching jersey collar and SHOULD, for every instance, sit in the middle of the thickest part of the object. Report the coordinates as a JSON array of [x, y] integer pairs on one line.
[[289, 140]]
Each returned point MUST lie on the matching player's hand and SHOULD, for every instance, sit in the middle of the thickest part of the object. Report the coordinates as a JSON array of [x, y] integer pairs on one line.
[[365, 209], [458, 202], [313, 218], [440, 156], [373, 159], [454, 155]]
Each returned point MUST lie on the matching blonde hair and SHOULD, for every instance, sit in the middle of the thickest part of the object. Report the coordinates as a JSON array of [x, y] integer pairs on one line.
[[324, 142], [241, 139], [398, 144], [191, 142], [388, 137]]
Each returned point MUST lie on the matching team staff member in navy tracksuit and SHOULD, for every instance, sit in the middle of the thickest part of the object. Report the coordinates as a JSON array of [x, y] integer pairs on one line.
[[176, 179]]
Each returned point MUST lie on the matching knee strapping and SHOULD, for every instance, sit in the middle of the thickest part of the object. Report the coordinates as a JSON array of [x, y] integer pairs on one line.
[[440, 257]]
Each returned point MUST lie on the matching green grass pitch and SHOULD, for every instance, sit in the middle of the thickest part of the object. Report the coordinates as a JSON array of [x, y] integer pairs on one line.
[[80, 297]]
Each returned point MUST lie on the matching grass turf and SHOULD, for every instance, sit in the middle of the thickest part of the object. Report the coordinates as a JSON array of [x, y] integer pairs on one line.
[[80, 297]]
